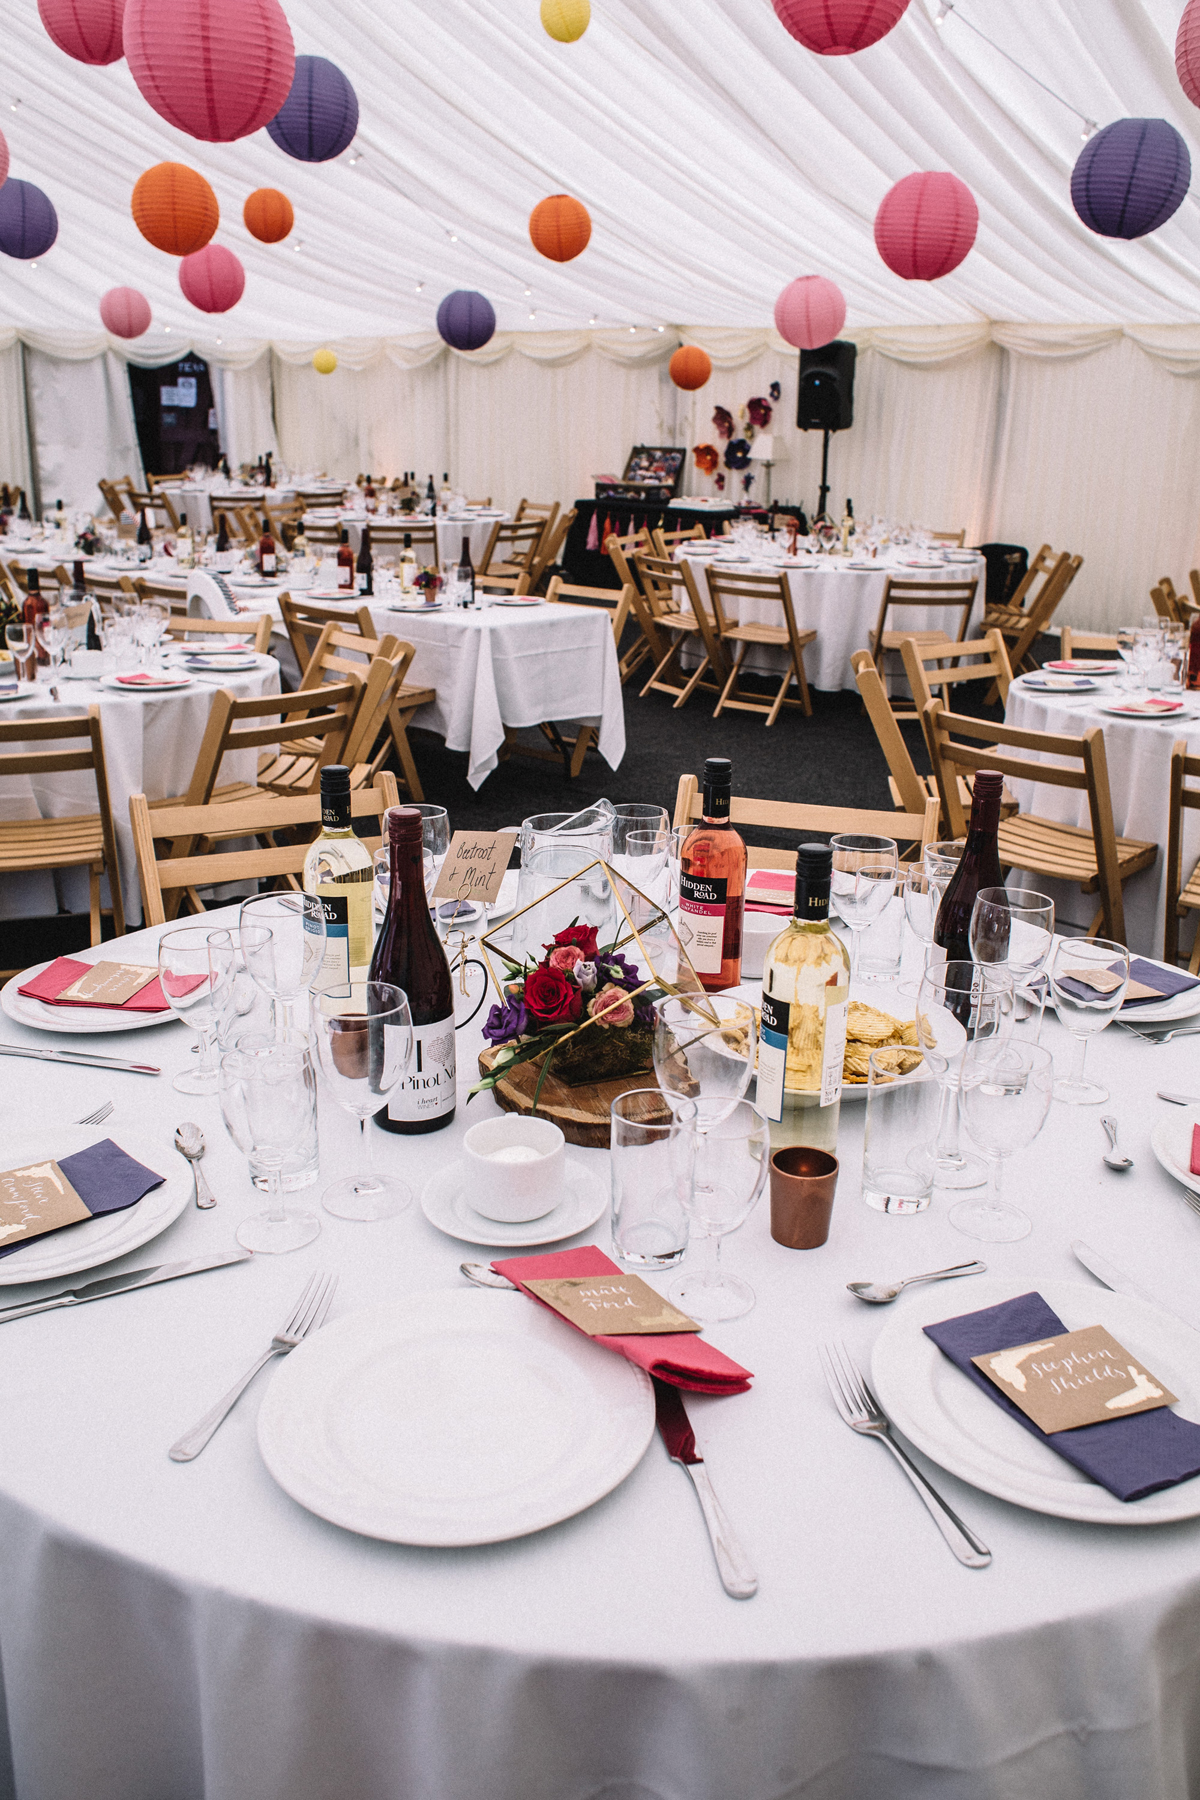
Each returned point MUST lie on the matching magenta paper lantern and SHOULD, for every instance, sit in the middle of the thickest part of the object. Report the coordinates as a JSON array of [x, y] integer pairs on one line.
[[926, 225], [1187, 51], [212, 279], [88, 30], [125, 312], [838, 27], [217, 69], [810, 312]]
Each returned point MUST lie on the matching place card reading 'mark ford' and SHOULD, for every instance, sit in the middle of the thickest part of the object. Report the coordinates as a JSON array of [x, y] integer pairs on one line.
[[36, 1199], [1078, 1378], [611, 1305]]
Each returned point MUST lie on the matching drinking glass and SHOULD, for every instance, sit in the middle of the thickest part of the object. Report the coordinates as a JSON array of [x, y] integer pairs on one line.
[[53, 633], [940, 862], [435, 841], [635, 816], [652, 865], [1006, 1091], [1085, 1009], [245, 991], [148, 626], [287, 963], [268, 1103], [19, 639], [733, 1148], [1012, 931], [865, 871], [364, 1041], [651, 1160], [1129, 650], [921, 901], [195, 970], [902, 1117], [954, 1007], [704, 1048]]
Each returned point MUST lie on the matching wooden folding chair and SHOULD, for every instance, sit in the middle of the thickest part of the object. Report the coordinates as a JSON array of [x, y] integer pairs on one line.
[[1071, 642], [665, 542], [729, 590], [670, 609], [512, 549], [617, 604], [171, 594], [907, 788], [1028, 614], [545, 510], [385, 706], [1166, 600], [114, 499], [915, 828], [154, 504], [305, 620], [312, 498], [293, 739], [954, 540], [84, 839], [180, 874], [1182, 896], [492, 583], [923, 664], [255, 632], [550, 549], [325, 533], [1092, 856], [108, 589], [948, 596]]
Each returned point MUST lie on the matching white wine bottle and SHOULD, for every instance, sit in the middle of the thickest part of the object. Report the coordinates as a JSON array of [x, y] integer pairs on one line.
[[805, 994], [339, 871]]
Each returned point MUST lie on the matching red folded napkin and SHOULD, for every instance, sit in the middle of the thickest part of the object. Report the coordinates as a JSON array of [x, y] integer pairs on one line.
[[64, 970], [1194, 1165], [680, 1358], [147, 680]]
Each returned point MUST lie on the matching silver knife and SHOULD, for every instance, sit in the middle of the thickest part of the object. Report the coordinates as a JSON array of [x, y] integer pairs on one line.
[[123, 1284], [737, 1577], [80, 1056], [1119, 1282]]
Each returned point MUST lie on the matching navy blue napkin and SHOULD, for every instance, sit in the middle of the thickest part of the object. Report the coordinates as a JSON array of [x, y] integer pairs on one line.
[[1130, 1457], [106, 1180], [1165, 982]]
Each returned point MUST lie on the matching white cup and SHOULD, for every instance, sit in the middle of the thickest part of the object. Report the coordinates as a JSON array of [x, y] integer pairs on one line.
[[515, 1167]]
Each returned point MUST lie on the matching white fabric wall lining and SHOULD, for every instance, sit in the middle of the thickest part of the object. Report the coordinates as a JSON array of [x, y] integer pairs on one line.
[[82, 427]]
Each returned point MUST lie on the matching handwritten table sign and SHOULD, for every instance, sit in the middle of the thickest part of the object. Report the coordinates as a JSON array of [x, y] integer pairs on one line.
[[474, 866], [612, 1305], [1078, 1378], [36, 1199]]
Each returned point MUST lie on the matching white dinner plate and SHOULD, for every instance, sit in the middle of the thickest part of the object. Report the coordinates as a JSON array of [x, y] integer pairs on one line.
[[1161, 1012], [946, 1416], [445, 1204], [95, 1241], [416, 606], [519, 600], [1171, 1142], [158, 687], [218, 663], [1060, 684], [1157, 716], [453, 1419], [1081, 665], [23, 1010], [13, 699]]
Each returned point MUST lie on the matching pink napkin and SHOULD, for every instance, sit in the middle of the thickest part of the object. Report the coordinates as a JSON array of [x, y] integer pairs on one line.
[[680, 1358], [1194, 1165], [146, 680], [64, 970]]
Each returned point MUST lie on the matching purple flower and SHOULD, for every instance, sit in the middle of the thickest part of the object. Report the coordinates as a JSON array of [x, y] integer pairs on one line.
[[775, 390], [759, 411], [507, 1021], [723, 422], [585, 975], [614, 967]]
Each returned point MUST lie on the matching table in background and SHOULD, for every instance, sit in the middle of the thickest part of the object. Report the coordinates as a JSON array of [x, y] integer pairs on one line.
[[588, 566], [476, 526], [188, 1631], [1139, 773]]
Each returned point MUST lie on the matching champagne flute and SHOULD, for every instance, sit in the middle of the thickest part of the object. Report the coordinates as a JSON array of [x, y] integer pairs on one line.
[[364, 1038], [953, 1009], [53, 632], [1006, 1092], [195, 971], [287, 962], [865, 871], [1088, 980], [921, 900]]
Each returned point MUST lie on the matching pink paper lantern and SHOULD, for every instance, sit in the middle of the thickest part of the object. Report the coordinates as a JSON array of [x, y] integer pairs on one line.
[[926, 225], [839, 27], [88, 30], [212, 279], [125, 312], [810, 312], [1187, 51], [217, 69]]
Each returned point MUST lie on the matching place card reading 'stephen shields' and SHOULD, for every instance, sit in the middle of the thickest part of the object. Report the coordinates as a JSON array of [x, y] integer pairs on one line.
[[611, 1305], [1078, 1378], [36, 1199]]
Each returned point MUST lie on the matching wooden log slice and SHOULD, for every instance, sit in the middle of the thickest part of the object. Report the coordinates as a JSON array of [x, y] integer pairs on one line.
[[581, 1113]]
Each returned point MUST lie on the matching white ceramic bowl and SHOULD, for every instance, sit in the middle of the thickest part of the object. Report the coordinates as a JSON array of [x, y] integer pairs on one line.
[[515, 1167]]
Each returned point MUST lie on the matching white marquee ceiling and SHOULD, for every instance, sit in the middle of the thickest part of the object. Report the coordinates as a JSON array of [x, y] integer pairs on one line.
[[717, 157]]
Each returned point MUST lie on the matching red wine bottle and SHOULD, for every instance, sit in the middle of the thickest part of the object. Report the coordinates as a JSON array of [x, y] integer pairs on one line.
[[409, 953], [979, 867], [34, 611]]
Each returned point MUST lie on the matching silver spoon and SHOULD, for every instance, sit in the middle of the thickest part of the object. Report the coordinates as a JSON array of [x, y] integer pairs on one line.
[[189, 1141], [1116, 1159], [1180, 1099], [482, 1276], [879, 1293]]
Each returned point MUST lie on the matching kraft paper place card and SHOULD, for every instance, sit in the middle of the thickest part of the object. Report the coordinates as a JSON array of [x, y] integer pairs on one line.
[[36, 1199], [1077, 1378], [109, 983], [475, 865], [612, 1305]]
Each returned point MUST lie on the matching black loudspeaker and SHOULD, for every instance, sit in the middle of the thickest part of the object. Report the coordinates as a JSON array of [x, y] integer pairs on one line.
[[826, 399]]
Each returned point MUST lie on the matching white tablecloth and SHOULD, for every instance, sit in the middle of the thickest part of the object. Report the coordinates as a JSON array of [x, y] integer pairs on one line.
[[450, 532], [200, 503], [841, 604], [189, 1632], [1139, 769]]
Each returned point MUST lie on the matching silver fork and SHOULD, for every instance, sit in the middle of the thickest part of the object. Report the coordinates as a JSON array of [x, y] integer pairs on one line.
[[308, 1316], [98, 1117], [862, 1413], [1161, 1037]]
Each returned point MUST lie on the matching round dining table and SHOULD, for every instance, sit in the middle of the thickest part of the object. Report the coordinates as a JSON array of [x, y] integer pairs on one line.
[[476, 526], [188, 1630]]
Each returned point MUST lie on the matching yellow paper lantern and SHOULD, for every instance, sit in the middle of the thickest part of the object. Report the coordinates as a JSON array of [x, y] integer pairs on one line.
[[566, 20], [324, 362]]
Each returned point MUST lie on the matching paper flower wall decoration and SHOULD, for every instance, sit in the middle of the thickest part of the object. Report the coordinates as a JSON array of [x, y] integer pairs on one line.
[[212, 279], [174, 208], [28, 221], [775, 390], [690, 367], [926, 225], [706, 458], [723, 422], [125, 312], [737, 454], [1130, 178], [88, 30], [759, 411], [217, 69], [319, 116]]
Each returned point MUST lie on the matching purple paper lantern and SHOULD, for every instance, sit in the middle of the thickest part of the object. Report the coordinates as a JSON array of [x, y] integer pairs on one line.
[[28, 221], [1130, 177], [320, 115], [465, 319]]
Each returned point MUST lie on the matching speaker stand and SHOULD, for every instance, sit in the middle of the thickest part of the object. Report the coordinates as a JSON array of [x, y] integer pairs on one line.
[[824, 476]]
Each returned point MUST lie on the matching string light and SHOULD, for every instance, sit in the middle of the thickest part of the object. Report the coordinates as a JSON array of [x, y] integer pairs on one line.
[[420, 287], [946, 7]]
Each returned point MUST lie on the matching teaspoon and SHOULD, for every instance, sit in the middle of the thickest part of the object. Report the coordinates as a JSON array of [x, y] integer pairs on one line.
[[1116, 1159], [189, 1141], [482, 1276], [879, 1293]]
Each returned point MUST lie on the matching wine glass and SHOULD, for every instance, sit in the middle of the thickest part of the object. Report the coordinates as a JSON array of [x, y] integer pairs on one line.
[[921, 901], [1006, 1092], [19, 639], [364, 1039], [865, 871], [733, 1147], [268, 1103], [1012, 931], [954, 1008], [635, 815], [195, 971], [1088, 979], [1129, 650], [289, 960], [652, 867], [704, 1048], [53, 633]]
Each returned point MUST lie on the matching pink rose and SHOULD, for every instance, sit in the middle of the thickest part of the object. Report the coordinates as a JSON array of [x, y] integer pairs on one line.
[[612, 1006], [564, 958]]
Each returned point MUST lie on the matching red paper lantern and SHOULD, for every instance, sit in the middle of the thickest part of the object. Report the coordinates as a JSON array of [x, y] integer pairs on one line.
[[926, 225], [212, 279], [125, 312], [838, 27], [690, 367], [560, 227], [810, 312], [268, 215], [218, 69], [174, 208], [1187, 51], [88, 30]]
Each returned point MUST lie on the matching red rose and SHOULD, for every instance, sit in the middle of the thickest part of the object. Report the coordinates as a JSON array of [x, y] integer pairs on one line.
[[582, 935], [551, 998]]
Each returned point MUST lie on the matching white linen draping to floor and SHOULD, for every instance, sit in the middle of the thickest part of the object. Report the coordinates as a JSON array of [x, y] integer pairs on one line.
[[450, 533]]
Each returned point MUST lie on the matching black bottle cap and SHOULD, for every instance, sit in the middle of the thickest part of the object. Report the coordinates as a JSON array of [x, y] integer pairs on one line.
[[718, 772], [335, 779], [814, 862]]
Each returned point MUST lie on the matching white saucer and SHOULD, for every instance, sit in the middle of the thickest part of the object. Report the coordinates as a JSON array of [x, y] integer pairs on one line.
[[444, 1204]]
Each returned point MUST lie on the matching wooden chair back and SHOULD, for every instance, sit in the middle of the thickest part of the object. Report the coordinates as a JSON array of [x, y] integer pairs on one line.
[[1166, 600], [261, 817], [908, 789], [1042, 564], [664, 542], [941, 666], [325, 532], [385, 707], [916, 828], [728, 588], [171, 594], [947, 595], [63, 843], [310, 498], [302, 740], [551, 548], [671, 590], [546, 510], [108, 589], [1182, 896], [954, 539], [1040, 611], [492, 583], [255, 632], [618, 604], [512, 548], [1072, 642], [114, 499], [305, 620]]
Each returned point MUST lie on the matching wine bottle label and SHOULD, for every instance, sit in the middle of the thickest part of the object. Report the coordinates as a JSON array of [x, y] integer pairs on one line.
[[702, 920], [268, 564], [349, 929], [772, 1056], [833, 1055], [430, 1087]]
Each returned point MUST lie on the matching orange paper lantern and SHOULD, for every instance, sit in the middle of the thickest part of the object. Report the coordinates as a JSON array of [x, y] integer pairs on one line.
[[174, 208], [690, 367], [560, 227], [268, 215]]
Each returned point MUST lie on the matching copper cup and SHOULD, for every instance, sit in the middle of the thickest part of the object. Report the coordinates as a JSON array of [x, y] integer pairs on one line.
[[803, 1183]]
